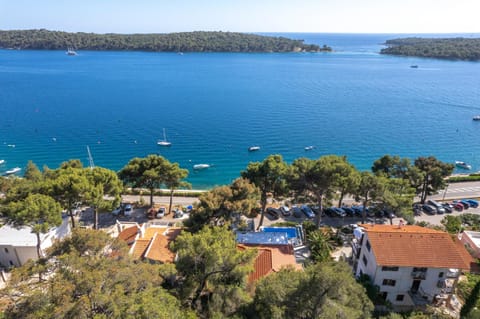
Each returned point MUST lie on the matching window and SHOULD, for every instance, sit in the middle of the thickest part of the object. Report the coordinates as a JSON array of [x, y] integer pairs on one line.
[[368, 245], [6, 250], [365, 261], [420, 269], [389, 282], [387, 268], [440, 275], [11, 263], [399, 298]]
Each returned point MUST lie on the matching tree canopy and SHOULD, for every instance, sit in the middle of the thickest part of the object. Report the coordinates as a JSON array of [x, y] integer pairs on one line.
[[440, 48], [199, 41]]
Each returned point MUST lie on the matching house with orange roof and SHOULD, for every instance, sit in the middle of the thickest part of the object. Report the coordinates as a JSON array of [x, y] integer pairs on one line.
[[411, 265], [149, 241]]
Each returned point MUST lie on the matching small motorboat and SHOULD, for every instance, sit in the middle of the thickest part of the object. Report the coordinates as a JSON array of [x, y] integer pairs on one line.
[[463, 165], [309, 148], [414, 66], [476, 118], [201, 166], [2, 162], [13, 171], [253, 148]]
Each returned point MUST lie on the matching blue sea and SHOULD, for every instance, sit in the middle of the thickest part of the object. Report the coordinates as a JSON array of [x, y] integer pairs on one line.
[[213, 106]]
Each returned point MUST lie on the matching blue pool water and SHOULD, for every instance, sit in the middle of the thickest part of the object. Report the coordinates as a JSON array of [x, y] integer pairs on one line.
[[351, 102], [290, 231]]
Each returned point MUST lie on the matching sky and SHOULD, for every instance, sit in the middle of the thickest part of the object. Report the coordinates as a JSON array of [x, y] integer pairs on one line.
[[160, 16]]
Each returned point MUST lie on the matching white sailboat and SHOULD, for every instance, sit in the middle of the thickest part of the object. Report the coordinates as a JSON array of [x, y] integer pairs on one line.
[[12, 171], [70, 51], [164, 142], [200, 166]]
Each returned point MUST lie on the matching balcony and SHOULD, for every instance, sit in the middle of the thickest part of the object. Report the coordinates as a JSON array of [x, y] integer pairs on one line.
[[419, 274], [452, 273], [446, 285]]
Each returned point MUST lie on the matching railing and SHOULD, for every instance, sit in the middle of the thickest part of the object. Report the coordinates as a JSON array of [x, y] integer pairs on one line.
[[419, 274], [452, 274]]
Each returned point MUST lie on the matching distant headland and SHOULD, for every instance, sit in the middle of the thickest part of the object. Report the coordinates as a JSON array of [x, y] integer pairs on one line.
[[198, 41], [440, 48]]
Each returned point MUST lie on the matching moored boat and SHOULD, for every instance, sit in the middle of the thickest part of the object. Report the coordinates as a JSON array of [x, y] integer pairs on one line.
[[309, 148], [414, 66], [164, 142], [463, 165], [476, 118], [253, 148], [2, 162], [70, 51], [13, 171], [201, 166]]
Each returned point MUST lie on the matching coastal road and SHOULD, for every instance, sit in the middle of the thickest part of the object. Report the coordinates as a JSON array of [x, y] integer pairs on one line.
[[459, 190]]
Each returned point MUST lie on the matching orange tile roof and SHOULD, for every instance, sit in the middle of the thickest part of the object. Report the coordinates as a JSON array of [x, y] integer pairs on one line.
[[414, 246], [270, 258], [159, 248], [140, 247], [129, 234]]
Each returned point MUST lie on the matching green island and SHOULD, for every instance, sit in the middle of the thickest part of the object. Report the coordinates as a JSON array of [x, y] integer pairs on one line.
[[439, 48], [199, 41]]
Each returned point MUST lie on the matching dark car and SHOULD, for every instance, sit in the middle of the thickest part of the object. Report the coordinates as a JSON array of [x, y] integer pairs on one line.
[[448, 207], [273, 212], [359, 210], [348, 210], [308, 211], [388, 214], [417, 209], [473, 203], [339, 212], [285, 211], [316, 209], [329, 212], [297, 212], [429, 209]]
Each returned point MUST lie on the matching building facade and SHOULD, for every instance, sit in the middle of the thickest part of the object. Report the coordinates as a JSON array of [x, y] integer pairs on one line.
[[411, 265]]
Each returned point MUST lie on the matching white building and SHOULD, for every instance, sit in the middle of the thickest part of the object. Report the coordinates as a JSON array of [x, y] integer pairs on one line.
[[411, 265], [18, 245], [471, 239]]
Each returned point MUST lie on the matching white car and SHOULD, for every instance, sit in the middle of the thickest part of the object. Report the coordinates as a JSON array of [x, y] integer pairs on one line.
[[161, 212], [128, 210]]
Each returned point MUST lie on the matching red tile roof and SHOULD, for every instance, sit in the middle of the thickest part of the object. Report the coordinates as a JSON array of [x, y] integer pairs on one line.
[[270, 258], [414, 246], [129, 234]]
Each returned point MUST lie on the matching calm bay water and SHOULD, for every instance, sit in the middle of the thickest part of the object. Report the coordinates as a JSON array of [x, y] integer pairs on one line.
[[213, 106]]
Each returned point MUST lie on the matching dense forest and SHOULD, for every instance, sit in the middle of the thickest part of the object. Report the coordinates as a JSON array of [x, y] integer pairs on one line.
[[441, 48], [173, 42]]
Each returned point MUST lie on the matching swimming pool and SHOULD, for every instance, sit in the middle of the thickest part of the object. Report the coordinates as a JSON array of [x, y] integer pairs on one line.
[[290, 231]]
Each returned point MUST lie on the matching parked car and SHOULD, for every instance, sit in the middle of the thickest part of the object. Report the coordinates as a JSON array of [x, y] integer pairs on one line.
[[177, 213], [437, 205], [458, 206], [128, 210], [297, 212], [348, 210], [285, 211], [273, 212], [316, 209], [339, 212], [473, 203], [465, 204], [448, 207], [359, 210], [308, 211], [388, 214], [161, 212], [429, 209], [117, 211]]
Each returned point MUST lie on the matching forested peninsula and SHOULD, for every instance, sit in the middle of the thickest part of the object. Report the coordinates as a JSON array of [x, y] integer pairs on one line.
[[440, 48], [198, 41]]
